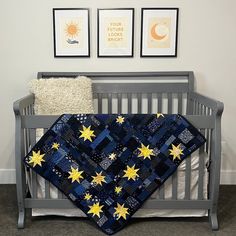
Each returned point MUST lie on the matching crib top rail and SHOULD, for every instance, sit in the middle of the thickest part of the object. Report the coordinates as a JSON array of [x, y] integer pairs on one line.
[[120, 75], [128, 83], [123, 82]]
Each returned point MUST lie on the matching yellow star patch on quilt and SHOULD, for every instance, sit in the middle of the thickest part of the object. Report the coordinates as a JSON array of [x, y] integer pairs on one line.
[[55, 146], [118, 190], [120, 119], [99, 178], [36, 158], [95, 209], [176, 151], [121, 211], [145, 152], [87, 133], [131, 173], [159, 114], [87, 196], [112, 156], [75, 175]]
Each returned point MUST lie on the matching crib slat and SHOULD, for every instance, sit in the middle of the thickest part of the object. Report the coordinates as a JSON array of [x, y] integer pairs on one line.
[[119, 96], [47, 185], [26, 140], [109, 97], [205, 130], [174, 185], [59, 194], [162, 192], [129, 96], [149, 96], [99, 103], [47, 189], [34, 184], [159, 100], [180, 103], [25, 134], [188, 178], [195, 107], [139, 95], [207, 133], [201, 109], [204, 110], [32, 137], [201, 170], [34, 176], [169, 96], [45, 130], [201, 176], [31, 109]]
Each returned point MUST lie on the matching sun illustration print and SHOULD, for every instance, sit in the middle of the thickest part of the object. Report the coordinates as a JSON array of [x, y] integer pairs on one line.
[[72, 29]]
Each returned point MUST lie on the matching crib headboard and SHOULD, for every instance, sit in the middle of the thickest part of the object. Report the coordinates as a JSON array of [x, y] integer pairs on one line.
[[137, 92]]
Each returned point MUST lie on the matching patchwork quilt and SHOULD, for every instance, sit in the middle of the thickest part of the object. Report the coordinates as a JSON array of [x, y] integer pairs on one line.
[[109, 165]]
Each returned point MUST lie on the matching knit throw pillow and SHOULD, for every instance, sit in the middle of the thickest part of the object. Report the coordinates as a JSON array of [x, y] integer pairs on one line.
[[56, 96]]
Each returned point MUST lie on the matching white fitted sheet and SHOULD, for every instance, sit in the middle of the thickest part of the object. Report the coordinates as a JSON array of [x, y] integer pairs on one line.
[[142, 212]]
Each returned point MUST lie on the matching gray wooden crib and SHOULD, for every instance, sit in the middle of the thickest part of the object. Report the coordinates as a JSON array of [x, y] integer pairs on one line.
[[138, 92]]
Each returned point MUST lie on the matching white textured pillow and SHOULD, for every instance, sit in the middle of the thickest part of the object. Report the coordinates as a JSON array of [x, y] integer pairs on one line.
[[55, 96]]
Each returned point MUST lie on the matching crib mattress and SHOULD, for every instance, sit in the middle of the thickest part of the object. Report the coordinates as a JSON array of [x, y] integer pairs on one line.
[[142, 212]]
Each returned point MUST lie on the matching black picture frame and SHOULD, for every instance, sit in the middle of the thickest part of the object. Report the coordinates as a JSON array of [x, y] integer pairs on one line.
[[175, 38], [101, 55], [55, 41]]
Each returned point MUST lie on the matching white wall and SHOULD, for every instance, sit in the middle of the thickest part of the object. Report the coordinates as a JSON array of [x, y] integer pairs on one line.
[[207, 45]]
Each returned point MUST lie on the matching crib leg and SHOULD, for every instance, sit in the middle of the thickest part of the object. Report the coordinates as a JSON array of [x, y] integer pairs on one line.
[[20, 173], [213, 220], [21, 219]]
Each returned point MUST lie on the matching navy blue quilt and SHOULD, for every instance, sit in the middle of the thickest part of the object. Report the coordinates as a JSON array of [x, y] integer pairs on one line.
[[108, 165]]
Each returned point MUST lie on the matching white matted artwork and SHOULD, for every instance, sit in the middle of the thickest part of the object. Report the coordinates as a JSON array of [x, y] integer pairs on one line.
[[115, 32], [159, 31], [71, 32]]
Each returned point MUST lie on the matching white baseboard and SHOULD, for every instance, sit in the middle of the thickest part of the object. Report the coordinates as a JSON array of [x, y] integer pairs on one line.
[[8, 176], [228, 177]]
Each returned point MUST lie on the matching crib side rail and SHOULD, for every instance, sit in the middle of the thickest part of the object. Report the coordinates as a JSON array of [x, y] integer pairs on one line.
[[203, 105], [23, 106], [20, 105]]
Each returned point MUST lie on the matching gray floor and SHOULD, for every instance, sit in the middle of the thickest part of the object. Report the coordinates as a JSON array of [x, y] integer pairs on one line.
[[73, 226]]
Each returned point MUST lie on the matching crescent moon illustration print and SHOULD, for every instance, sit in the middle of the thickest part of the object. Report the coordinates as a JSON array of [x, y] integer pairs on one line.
[[159, 28], [159, 32]]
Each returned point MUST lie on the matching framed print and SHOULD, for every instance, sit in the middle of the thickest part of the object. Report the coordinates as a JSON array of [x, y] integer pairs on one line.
[[115, 32], [159, 32], [71, 32]]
